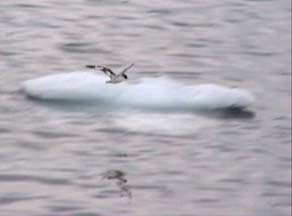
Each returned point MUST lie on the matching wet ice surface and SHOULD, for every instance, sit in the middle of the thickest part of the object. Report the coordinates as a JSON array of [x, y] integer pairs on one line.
[[61, 159]]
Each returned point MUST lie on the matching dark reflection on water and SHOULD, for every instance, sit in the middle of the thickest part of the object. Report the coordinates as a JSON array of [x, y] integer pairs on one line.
[[171, 162], [121, 181]]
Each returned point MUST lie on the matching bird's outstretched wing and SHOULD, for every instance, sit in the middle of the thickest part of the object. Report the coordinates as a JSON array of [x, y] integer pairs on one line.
[[127, 68], [106, 70]]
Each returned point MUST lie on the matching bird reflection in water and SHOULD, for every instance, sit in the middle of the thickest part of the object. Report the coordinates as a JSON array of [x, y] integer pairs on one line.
[[120, 178]]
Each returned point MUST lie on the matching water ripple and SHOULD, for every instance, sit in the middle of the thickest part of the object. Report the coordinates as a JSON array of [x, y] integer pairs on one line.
[[30, 178]]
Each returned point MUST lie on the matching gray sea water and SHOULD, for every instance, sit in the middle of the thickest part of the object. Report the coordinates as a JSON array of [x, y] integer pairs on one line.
[[69, 159]]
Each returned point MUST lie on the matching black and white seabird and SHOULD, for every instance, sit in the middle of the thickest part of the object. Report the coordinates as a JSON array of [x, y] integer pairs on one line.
[[114, 78]]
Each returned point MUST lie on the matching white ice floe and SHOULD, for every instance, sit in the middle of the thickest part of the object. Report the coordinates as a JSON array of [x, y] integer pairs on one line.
[[149, 93]]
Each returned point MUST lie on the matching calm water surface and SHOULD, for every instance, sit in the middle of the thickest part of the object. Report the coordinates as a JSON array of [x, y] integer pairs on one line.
[[68, 159]]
